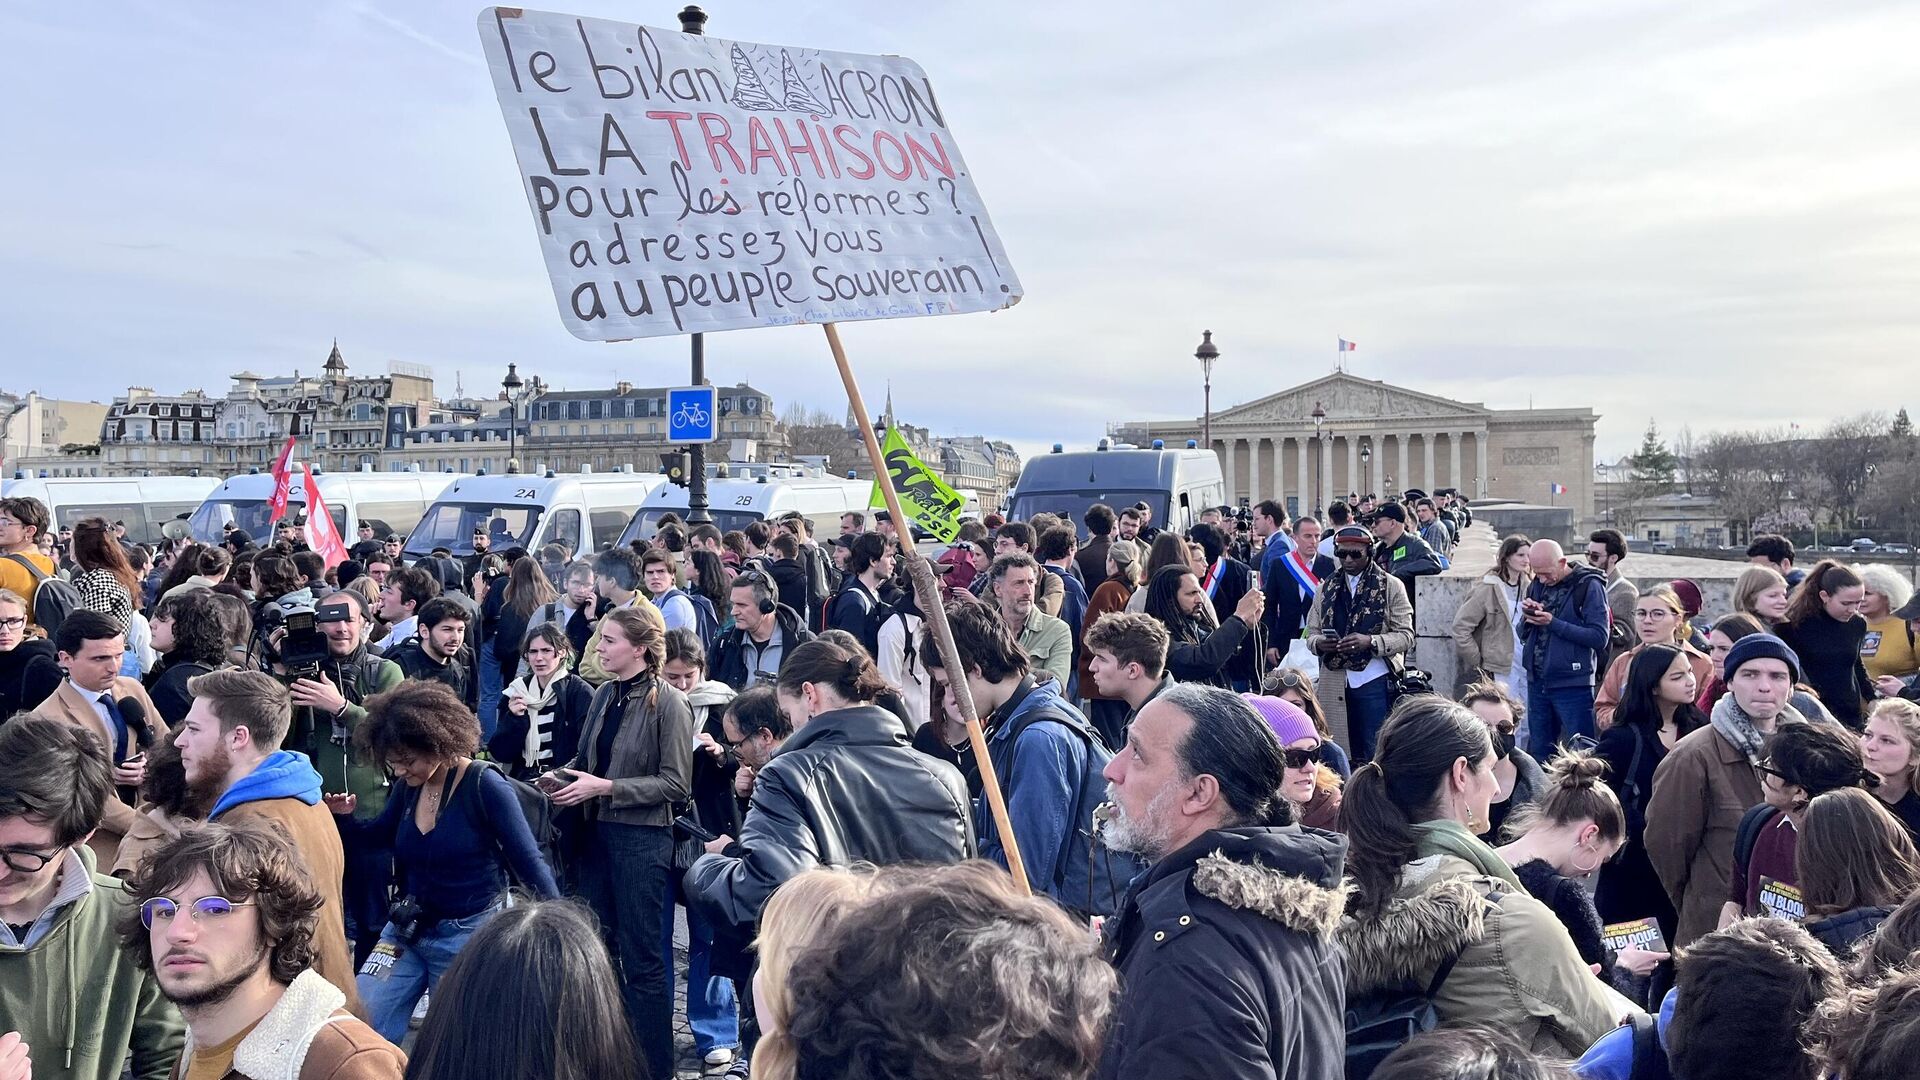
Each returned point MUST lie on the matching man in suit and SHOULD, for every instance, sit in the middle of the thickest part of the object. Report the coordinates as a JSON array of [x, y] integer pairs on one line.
[[1227, 580], [1291, 587], [94, 695]]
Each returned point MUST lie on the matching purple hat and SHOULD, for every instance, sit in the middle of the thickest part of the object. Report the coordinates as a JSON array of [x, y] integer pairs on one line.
[[1290, 723]]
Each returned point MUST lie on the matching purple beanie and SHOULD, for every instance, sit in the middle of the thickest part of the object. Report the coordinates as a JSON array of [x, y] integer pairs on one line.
[[1290, 723]]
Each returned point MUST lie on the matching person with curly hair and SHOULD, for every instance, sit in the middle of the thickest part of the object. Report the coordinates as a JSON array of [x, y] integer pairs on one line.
[[225, 920], [876, 996], [190, 634], [456, 829]]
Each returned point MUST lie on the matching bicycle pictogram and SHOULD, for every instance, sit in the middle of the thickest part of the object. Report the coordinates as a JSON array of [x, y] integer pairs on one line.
[[691, 415]]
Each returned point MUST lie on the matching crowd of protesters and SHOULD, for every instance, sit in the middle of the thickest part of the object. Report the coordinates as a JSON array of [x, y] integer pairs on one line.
[[263, 816]]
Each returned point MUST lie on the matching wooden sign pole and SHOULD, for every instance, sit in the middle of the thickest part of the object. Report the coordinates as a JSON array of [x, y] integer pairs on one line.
[[927, 591]]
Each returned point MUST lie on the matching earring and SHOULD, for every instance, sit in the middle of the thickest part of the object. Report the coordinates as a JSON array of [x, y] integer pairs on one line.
[[1583, 871], [1472, 825]]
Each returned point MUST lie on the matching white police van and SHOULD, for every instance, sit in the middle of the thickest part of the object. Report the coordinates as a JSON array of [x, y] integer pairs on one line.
[[145, 504], [1176, 484], [586, 511], [390, 502], [737, 502]]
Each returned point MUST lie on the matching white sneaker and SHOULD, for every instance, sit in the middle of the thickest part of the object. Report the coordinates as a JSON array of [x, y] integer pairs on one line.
[[718, 1056], [419, 1012]]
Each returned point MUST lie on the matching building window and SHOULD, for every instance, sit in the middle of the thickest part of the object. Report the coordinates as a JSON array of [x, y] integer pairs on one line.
[[629, 429], [605, 430], [573, 410], [543, 429], [596, 409]]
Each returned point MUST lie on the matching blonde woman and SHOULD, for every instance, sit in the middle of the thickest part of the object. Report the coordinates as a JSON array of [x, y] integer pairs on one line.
[[1890, 747], [1761, 592], [1659, 618], [1889, 648], [798, 914]]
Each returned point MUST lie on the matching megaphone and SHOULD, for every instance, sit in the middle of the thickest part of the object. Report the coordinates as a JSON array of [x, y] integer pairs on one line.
[[175, 530]]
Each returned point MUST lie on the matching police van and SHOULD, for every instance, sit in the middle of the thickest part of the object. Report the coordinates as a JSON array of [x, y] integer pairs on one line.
[[737, 502], [1176, 484], [145, 504], [390, 502], [586, 511]]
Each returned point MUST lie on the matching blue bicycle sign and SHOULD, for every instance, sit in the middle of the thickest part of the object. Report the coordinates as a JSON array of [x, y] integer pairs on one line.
[[691, 413]]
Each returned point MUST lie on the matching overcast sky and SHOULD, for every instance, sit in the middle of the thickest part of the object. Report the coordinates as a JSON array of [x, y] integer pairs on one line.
[[1700, 213]]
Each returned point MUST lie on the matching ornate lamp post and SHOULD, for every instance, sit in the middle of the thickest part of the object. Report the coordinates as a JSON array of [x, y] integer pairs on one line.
[[512, 384], [1366, 459], [1207, 353], [1319, 419]]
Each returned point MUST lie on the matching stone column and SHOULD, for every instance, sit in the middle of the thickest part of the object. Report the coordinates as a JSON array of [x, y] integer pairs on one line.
[[1453, 458], [1304, 491], [1353, 465], [1326, 470], [1402, 477], [1253, 469], [1480, 464], [1426, 453], [1233, 448]]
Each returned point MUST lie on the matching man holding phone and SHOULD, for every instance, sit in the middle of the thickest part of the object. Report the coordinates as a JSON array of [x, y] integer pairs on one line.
[[1360, 620], [1563, 633], [116, 708]]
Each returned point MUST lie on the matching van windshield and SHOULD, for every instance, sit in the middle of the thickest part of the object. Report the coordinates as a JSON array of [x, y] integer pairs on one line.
[[647, 522], [451, 525], [1072, 505], [209, 523]]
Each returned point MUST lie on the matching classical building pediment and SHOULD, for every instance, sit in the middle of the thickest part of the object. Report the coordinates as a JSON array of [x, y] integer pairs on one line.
[[1348, 397]]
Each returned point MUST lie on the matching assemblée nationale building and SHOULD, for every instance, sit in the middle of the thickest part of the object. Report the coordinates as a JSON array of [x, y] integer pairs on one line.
[[1373, 436]]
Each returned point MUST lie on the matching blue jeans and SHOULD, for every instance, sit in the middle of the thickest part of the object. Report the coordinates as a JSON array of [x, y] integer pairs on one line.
[[394, 977], [1554, 716], [1367, 708], [623, 876], [490, 687], [712, 1012]]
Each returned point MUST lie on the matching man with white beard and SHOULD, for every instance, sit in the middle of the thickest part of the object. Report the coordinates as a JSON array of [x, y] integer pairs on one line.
[[1225, 947]]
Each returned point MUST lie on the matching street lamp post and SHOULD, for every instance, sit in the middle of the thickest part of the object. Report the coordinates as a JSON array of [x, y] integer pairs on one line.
[[1207, 353], [512, 384], [1319, 418], [694, 21], [1366, 460]]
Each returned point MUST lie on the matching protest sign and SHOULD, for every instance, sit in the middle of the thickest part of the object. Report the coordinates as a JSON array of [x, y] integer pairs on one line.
[[1781, 900], [683, 183], [926, 498], [1640, 933]]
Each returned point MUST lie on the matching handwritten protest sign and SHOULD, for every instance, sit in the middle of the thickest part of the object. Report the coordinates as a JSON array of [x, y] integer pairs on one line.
[[682, 183]]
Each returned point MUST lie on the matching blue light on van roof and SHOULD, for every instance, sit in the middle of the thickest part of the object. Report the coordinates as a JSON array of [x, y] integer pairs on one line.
[[1058, 449], [1159, 444], [1193, 444]]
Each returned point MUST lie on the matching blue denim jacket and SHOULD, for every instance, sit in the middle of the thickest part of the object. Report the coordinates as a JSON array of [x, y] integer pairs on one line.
[[1049, 765]]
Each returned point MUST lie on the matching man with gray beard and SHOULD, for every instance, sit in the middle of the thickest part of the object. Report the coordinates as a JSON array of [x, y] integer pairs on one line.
[[1225, 946]]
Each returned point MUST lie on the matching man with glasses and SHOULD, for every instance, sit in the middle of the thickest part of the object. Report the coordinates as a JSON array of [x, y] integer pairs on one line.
[[67, 989], [230, 750], [228, 925], [1360, 620], [1606, 550], [23, 525]]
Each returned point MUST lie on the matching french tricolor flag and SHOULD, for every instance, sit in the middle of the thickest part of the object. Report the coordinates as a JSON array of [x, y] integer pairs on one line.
[[1557, 489], [1347, 346]]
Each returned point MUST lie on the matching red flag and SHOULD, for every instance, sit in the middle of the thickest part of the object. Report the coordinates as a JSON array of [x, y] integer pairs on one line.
[[322, 536], [282, 482]]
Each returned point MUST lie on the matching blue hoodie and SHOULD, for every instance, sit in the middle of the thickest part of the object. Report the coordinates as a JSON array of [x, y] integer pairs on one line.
[[1611, 1058], [1049, 763], [282, 774]]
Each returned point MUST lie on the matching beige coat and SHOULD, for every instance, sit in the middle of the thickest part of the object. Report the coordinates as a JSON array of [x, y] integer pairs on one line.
[[1483, 630], [307, 1035], [1518, 970], [67, 704], [1396, 641], [1700, 791]]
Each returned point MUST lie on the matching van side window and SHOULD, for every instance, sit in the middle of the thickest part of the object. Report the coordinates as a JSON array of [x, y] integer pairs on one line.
[[566, 530], [607, 523]]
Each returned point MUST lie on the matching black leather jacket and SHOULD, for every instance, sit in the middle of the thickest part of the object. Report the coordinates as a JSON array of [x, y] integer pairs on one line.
[[845, 788]]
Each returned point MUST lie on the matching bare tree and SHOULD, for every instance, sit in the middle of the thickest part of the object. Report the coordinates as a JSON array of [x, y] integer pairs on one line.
[[1734, 468], [1684, 448], [1840, 458]]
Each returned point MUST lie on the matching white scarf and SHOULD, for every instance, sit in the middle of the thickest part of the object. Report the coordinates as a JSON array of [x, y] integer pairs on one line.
[[539, 701]]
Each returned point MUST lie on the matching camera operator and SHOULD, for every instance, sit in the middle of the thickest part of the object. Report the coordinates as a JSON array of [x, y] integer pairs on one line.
[[1359, 621], [328, 705]]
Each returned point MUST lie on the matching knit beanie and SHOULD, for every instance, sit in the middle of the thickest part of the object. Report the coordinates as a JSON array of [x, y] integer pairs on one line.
[[1761, 647], [1689, 593], [1290, 723]]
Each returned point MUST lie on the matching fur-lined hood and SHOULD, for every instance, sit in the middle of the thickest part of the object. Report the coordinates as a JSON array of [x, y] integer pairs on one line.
[[1288, 899], [1414, 934]]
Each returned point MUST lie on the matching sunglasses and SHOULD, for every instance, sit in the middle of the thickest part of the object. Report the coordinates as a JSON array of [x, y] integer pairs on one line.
[[1349, 553], [161, 910], [1300, 759]]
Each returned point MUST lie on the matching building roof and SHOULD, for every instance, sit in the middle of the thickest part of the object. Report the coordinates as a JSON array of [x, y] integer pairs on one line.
[[638, 392]]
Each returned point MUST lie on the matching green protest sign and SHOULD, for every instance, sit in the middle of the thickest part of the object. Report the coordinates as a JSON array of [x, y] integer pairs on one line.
[[924, 497]]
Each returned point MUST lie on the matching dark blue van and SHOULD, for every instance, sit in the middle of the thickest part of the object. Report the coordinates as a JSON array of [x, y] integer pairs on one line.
[[1177, 484]]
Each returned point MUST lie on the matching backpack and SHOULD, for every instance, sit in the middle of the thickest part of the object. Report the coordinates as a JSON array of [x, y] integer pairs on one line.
[[1649, 1054], [1748, 834], [706, 622], [1381, 1022], [541, 816], [53, 599], [1120, 870], [877, 614]]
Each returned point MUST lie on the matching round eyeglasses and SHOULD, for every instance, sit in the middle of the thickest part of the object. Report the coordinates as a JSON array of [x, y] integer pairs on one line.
[[160, 909]]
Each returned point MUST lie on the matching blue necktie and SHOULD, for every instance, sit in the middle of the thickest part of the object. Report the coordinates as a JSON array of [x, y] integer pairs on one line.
[[119, 727]]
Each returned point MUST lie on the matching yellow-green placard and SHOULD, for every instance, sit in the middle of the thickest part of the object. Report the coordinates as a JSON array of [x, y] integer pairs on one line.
[[924, 497]]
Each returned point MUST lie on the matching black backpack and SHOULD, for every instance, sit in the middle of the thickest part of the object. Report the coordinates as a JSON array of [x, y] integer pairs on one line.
[[1649, 1055], [541, 816], [1381, 1022]]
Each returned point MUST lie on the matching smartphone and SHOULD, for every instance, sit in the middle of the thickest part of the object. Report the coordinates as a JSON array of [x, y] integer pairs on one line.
[[685, 823], [554, 780]]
